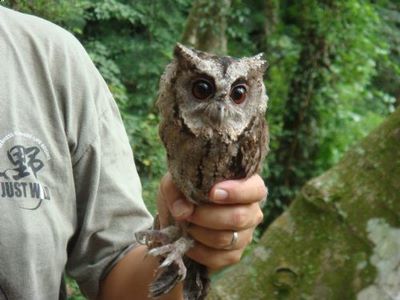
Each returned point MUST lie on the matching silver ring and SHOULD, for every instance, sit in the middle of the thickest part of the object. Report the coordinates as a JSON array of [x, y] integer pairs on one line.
[[234, 240]]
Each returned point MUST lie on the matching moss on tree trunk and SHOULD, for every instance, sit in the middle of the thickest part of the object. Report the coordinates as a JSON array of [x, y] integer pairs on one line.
[[340, 239]]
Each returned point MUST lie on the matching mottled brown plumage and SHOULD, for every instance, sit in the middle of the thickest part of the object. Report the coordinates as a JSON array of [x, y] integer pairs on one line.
[[213, 128]]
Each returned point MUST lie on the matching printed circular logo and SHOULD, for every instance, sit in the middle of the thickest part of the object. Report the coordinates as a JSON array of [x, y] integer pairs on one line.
[[22, 159]]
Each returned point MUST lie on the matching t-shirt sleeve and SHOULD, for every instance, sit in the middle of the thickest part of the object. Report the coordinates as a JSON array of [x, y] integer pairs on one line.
[[109, 204]]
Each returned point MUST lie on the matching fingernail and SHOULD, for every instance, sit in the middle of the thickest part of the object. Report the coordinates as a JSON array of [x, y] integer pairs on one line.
[[220, 195], [179, 208]]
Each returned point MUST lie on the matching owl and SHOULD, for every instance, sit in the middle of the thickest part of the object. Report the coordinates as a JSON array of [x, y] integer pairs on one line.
[[213, 128]]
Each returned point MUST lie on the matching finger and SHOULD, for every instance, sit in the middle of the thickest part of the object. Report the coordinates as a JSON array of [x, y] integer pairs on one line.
[[214, 259], [168, 189], [221, 239], [227, 217], [242, 191], [171, 201]]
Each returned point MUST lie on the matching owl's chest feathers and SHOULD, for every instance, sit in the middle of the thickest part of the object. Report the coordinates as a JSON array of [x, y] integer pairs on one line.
[[197, 162]]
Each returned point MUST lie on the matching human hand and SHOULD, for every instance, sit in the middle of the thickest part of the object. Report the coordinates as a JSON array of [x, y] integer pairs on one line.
[[235, 207]]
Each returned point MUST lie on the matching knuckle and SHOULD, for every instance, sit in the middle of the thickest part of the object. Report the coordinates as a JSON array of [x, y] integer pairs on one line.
[[259, 217], [223, 239], [263, 190], [239, 219]]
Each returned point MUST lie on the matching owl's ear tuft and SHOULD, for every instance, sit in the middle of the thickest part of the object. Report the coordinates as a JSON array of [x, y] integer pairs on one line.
[[186, 56], [259, 63]]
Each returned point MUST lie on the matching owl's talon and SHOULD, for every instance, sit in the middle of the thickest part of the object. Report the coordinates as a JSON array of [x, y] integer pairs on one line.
[[173, 254], [161, 250]]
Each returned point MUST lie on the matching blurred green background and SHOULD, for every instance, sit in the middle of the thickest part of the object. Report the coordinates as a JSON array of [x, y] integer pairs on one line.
[[333, 72]]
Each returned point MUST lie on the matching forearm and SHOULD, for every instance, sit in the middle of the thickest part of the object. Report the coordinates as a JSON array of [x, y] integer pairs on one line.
[[130, 278]]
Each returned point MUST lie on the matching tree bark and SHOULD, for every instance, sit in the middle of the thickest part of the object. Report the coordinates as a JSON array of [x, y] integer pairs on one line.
[[340, 238], [206, 26], [298, 147], [271, 9]]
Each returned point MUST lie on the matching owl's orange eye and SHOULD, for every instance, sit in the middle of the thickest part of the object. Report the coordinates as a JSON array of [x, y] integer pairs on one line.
[[238, 94], [202, 89]]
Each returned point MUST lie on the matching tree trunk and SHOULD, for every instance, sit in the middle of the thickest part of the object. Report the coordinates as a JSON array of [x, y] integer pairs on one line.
[[340, 238], [298, 145], [206, 26], [271, 9]]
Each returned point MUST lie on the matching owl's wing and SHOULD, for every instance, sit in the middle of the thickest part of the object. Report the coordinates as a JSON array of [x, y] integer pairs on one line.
[[186, 154], [253, 147]]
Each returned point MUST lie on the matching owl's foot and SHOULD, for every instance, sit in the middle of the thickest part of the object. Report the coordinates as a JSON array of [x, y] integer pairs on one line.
[[174, 253], [169, 244], [153, 238], [172, 269]]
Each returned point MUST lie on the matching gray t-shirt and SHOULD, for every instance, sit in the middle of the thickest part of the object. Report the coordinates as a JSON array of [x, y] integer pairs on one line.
[[69, 192]]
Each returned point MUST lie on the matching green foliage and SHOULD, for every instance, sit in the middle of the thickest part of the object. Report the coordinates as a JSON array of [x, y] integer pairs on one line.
[[387, 80], [348, 101], [73, 290], [206, 26], [341, 104]]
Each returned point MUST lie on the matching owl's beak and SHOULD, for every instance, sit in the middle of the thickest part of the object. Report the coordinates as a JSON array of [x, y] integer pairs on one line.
[[218, 114], [221, 111]]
